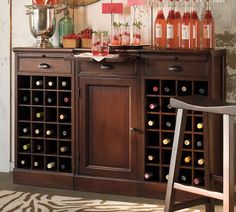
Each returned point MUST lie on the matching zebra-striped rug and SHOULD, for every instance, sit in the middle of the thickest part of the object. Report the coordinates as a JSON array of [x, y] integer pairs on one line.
[[12, 201]]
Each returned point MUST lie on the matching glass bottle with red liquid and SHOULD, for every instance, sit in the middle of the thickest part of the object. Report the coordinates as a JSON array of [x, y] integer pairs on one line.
[[170, 26], [38, 2], [160, 28], [185, 27], [208, 28], [194, 27], [177, 24]]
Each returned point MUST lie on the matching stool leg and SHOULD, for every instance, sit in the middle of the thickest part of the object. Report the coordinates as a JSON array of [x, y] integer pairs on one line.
[[228, 163], [175, 159]]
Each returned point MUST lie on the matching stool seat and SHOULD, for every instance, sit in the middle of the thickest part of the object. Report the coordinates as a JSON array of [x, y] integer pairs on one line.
[[203, 104], [207, 193]]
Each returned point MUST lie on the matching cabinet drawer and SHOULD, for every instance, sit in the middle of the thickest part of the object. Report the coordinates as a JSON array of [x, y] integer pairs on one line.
[[177, 67], [46, 65], [108, 68]]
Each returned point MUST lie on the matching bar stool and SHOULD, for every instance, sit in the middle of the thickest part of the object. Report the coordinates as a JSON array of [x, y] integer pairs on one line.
[[203, 104]]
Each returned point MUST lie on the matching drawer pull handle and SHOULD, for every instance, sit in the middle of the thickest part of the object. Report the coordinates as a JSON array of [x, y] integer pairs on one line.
[[44, 66], [106, 67], [175, 68]]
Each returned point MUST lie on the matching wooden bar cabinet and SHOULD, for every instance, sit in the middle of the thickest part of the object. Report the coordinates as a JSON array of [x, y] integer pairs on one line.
[[107, 126]]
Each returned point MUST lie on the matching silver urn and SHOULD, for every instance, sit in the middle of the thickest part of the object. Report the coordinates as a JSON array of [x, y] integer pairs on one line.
[[42, 22]]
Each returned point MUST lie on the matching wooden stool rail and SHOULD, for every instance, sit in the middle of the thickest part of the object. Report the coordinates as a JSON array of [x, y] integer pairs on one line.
[[203, 104]]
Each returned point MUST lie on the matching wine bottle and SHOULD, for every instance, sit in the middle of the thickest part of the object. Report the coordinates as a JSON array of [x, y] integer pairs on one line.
[[51, 165], [63, 166], [199, 144], [49, 132], [50, 83], [63, 117], [168, 124], [37, 131], [168, 106], [63, 83], [187, 142], [24, 98], [36, 99], [183, 178], [208, 28], [66, 99], [23, 162], [64, 133], [49, 100], [64, 149], [170, 26], [197, 181], [194, 27], [202, 91], [184, 89], [39, 115], [153, 106], [187, 159], [160, 28], [39, 82], [167, 177], [178, 19], [26, 147], [151, 123], [155, 88], [166, 141], [148, 175], [39, 147], [151, 157], [167, 89], [36, 163], [200, 162], [199, 125], [25, 130], [185, 27]]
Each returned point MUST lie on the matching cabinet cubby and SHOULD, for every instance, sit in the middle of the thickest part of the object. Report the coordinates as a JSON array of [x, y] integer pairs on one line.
[[159, 136], [42, 101]]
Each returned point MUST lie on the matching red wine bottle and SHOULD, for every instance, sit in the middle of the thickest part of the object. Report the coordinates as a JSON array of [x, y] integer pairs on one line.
[[153, 106], [155, 88], [148, 175], [51, 165]]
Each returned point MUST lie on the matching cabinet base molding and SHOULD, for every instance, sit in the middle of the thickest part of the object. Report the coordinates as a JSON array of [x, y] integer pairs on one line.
[[125, 187], [37, 178]]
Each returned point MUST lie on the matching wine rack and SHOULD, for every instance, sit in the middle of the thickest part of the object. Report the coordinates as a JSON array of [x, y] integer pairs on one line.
[[159, 130], [44, 123]]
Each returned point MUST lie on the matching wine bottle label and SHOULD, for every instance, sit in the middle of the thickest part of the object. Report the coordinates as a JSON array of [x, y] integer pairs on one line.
[[207, 30], [185, 32], [158, 31], [170, 31]]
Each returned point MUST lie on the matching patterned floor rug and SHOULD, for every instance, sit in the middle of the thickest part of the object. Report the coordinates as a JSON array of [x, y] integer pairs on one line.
[[12, 201]]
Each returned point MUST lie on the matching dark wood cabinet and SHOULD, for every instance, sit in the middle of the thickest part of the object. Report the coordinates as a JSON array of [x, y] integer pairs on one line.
[[120, 125]]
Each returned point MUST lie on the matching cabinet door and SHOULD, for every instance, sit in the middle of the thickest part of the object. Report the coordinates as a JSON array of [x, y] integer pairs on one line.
[[109, 123]]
